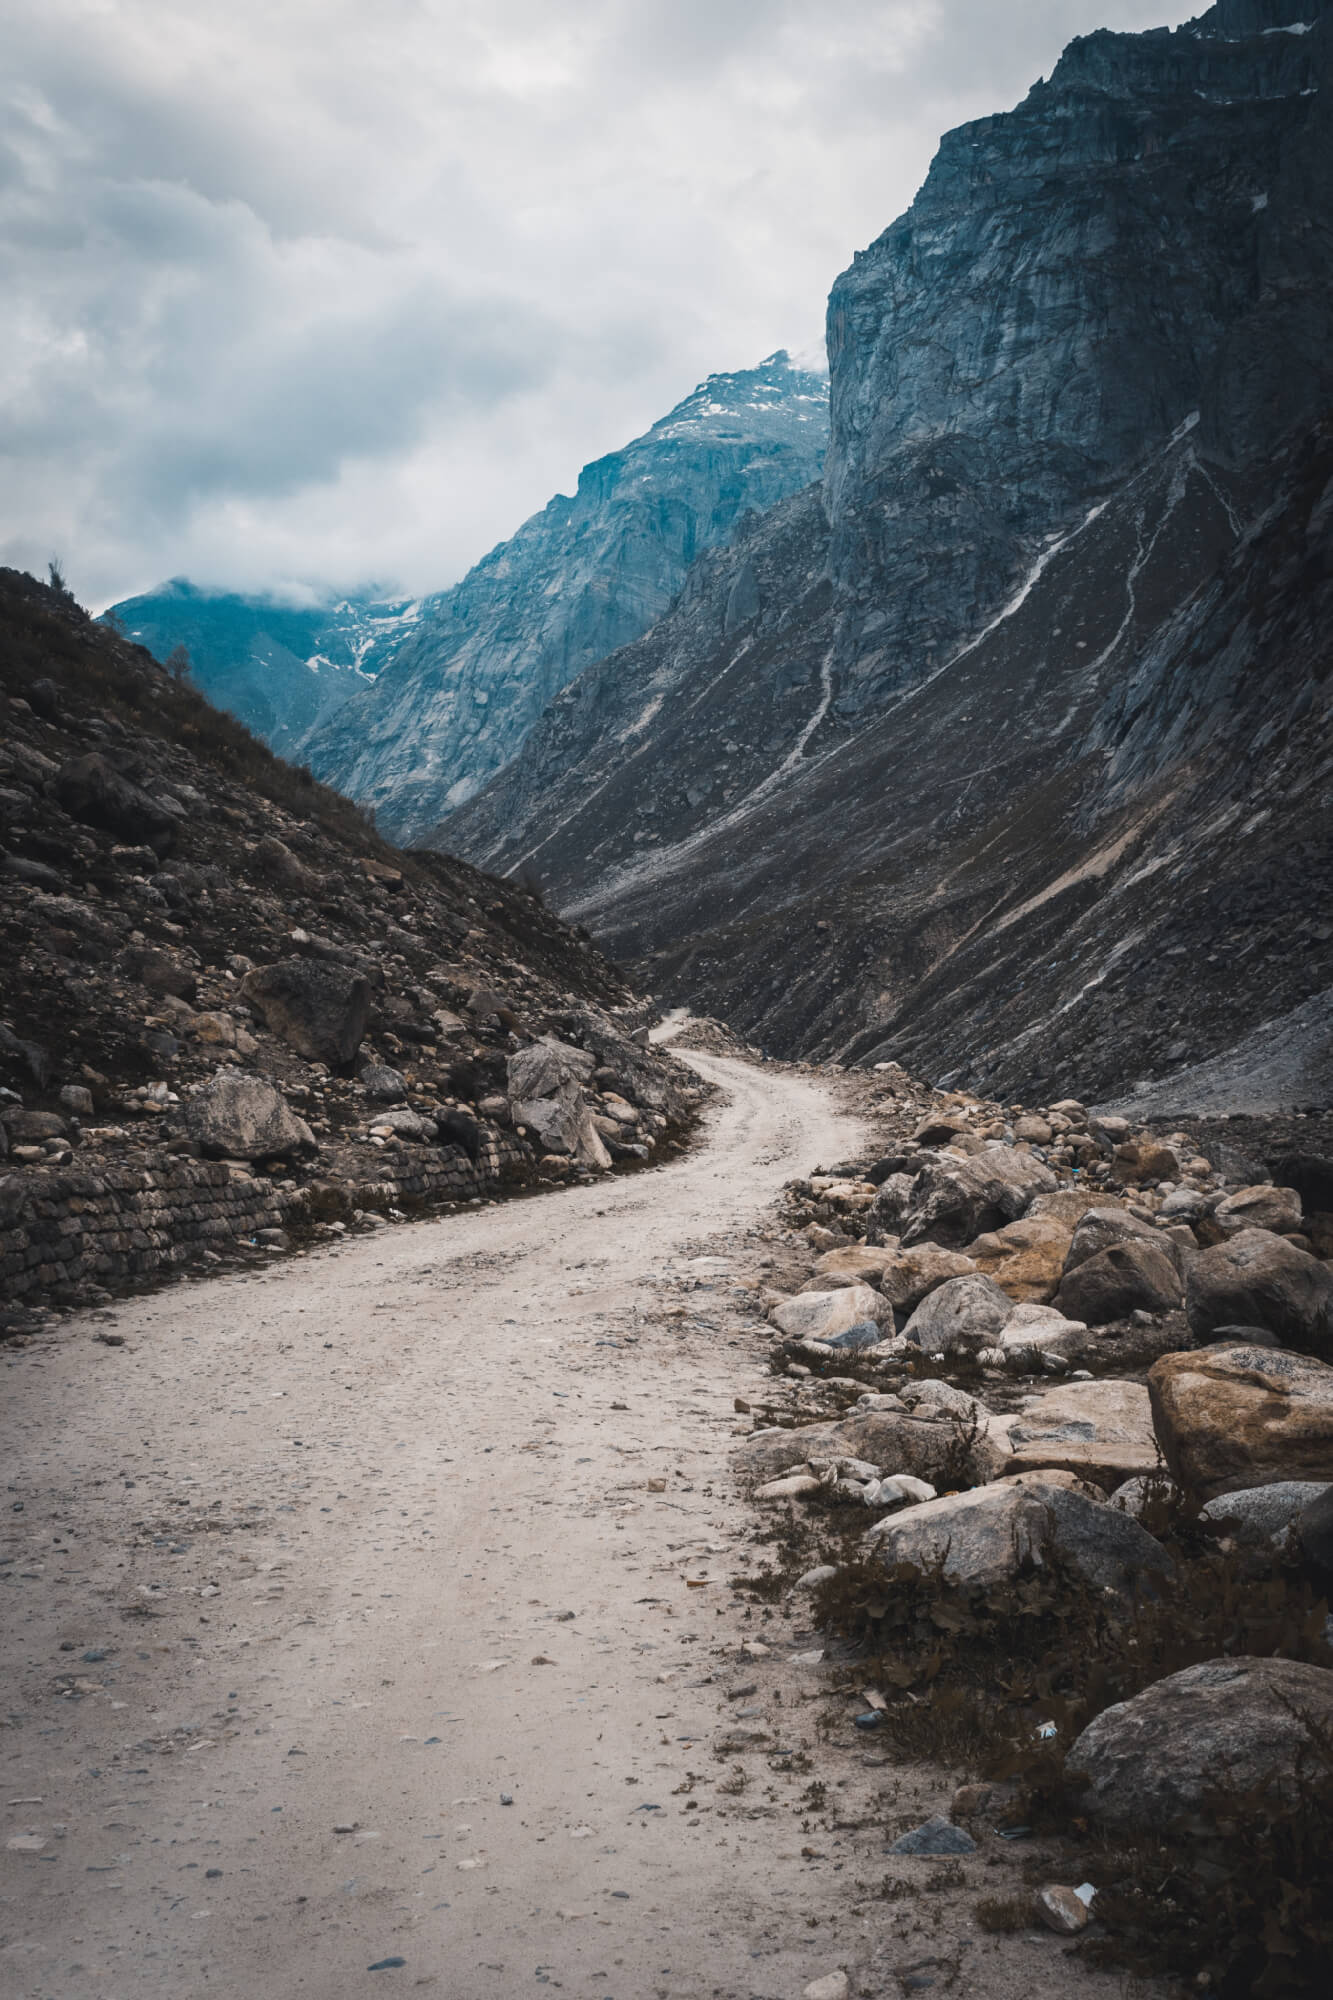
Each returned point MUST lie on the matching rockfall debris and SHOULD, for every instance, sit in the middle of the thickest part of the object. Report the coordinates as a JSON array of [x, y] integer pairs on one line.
[[1048, 1465]]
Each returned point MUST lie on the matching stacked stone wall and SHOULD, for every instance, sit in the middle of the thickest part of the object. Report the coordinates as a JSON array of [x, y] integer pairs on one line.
[[113, 1225]]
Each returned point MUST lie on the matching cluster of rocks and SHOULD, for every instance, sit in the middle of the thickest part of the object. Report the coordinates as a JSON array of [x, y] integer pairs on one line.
[[209, 958], [1191, 1322]]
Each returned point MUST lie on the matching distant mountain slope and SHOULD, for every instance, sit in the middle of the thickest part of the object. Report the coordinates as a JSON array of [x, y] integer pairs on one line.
[[278, 668], [581, 578], [1017, 766]]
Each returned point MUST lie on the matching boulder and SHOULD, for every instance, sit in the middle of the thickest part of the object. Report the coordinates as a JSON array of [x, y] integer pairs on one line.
[[215, 1030], [988, 1536], [547, 1067], [1038, 1329], [1139, 1275], [1103, 1227], [1100, 1431], [906, 1444], [954, 1201], [853, 1263], [243, 1118], [1237, 1726], [964, 1314], [92, 790], [1256, 1279], [933, 1398], [821, 1315], [1261, 1207], [1186, 1205], [383, 1085], [319, 1009], [1265, 1514], [1026, 1258], [909, 1275], [1229, 1418], [30, 1127], [546, 1094]]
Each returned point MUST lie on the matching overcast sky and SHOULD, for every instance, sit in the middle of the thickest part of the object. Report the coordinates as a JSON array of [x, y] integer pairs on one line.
[[315, 292]]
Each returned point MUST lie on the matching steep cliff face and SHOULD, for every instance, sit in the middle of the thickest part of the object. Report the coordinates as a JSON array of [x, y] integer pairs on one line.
[[278, 668], [999, 773], [1139, 240], [578, 580]]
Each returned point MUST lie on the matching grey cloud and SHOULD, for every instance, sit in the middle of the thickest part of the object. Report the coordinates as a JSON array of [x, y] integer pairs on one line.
[[344, 287]]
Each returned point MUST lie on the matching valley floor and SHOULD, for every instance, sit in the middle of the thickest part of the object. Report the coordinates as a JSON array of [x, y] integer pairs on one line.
[[309, 1573]]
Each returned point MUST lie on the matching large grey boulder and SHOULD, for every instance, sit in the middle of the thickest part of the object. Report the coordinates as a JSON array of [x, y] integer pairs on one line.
[[318, 1008], [1230, 1418], [953, 1200], [546, 1094], [1238, 1726], [1127, 1277], [986, 1537], [961, 1315], [1258, 1279], [1260, 1514], [241, 1117]]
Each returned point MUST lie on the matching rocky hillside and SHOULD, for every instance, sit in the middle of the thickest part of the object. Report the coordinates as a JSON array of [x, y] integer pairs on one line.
[[1016, 767], [278, 668], [586, 575], [227, 1006]]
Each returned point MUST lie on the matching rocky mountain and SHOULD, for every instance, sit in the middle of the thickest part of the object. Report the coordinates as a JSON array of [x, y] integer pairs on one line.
[[278, 668], [230, 1013], [1005, 751], [585, 576]]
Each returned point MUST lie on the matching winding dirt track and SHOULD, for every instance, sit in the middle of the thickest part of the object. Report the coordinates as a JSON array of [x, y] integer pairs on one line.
[[322, 1527]]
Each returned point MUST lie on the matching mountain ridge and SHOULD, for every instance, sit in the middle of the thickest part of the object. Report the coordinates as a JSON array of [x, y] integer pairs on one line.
[[1069, 388], [584, 575]]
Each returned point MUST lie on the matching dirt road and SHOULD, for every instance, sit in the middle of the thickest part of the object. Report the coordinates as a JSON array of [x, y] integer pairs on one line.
[[365, 1617]]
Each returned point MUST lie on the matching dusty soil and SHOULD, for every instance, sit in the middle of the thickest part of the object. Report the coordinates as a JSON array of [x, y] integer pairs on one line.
[[324, 1565]]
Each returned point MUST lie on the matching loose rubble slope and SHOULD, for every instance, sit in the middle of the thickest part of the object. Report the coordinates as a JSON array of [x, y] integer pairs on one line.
[[213, 964]]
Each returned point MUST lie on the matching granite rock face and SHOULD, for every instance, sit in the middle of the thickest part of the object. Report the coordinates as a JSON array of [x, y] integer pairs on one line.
[[1076, 486], [585, 576]]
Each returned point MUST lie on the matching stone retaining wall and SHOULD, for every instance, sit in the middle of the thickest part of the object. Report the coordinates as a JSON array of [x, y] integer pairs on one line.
[[110, 1225]]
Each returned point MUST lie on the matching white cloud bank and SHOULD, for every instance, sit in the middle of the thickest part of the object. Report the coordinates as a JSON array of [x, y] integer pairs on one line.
[[333, 290]]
